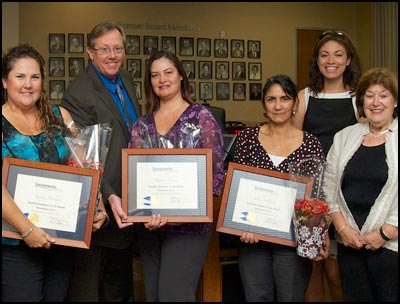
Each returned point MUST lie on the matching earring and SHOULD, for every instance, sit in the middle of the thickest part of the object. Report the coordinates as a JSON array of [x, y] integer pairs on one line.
[[293, 112]]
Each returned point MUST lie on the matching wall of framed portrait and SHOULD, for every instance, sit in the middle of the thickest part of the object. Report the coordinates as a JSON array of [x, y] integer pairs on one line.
[[207, 61]]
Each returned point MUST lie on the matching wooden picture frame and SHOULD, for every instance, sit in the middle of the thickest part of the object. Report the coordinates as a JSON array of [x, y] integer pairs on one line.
[[56, 66], [57, 43], [237, 48], [190, 68], [168, 44], [261, 201], [239, 91], [205, 69], [138, 89], [205, 90], [58, 198], [255, 71], [256, 91], [186, 46], [192, 90], [132, 45], [254, 49], [76, 43], [239, 70], [56, 89], [223, 90], [203, 47], [76, 65], [176, 183], [221, 48], [221, 70], [134, 68], [150, 45]]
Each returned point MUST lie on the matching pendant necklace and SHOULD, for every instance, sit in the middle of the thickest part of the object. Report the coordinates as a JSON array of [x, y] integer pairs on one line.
[[377, 134]]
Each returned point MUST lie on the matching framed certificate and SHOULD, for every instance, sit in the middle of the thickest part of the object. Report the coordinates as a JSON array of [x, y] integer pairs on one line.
[[57, 198], [176, 183], [261, 201]]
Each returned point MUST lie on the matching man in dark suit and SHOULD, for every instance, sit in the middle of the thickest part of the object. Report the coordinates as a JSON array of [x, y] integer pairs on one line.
[[239, 73], [253, 51], [221, 51], [189, 70], [133, 70], [57, 46], [103, 273], [150, 47]]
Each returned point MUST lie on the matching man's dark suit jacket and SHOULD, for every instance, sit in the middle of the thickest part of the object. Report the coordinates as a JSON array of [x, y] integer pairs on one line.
[[89, 102]]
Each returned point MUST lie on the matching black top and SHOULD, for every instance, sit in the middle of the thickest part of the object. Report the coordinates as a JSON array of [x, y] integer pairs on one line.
[[326, 116], [362, 183]]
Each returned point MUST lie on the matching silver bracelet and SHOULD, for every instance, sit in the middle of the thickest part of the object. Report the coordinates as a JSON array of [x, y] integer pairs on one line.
[[107, 221], [28, 233]]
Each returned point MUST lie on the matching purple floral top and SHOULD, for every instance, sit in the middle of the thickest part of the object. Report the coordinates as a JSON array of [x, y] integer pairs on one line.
[[196, 128], [249, 151]]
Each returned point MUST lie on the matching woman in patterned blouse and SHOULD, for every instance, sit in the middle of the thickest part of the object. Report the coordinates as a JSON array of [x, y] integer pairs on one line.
[[272, 272], [173, 253]]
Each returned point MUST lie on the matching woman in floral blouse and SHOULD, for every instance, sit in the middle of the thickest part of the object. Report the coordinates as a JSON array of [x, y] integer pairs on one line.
[[273, 272], [173, 253]]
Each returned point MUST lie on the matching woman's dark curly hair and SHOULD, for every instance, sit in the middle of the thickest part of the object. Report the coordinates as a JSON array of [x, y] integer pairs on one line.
[[50, 121]]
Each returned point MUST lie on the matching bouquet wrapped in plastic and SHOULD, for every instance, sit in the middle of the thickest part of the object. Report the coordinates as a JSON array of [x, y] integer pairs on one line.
[[311, 218], [89, 148]]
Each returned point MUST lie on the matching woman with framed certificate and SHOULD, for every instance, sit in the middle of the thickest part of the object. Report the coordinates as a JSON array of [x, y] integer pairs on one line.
[[173, 253], [272, 272], [33, 270]]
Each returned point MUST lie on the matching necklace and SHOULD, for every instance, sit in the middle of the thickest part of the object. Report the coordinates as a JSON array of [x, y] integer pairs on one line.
[[377, 134]]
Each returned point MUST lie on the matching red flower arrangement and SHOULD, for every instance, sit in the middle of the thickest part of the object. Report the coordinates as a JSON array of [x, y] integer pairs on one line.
[[306, 209], [311, 218]]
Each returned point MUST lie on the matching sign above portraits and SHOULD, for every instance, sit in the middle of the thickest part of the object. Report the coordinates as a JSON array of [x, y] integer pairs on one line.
[[163, 26]]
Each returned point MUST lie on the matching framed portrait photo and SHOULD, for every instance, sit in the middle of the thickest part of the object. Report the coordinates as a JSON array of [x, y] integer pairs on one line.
[[57, 88], [205, 90], [132, 44], [168, 44], [250, 203], [76, 43], [205, 69], [223, 91], [186, 46], [150, 45], [237, 48], [134, 67], [76, 65], [255, 70], [253, 49], [137, 85], [57, 43], [220, 48], [239, 91], [57, 198], [190, 68], [203, 47], [56, 66], [238, 70], [192, 90], [255, 91], [222, 70], [176, 183]]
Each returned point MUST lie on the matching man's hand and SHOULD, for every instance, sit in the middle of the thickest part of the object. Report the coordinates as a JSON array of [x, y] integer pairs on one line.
[[119, 214]]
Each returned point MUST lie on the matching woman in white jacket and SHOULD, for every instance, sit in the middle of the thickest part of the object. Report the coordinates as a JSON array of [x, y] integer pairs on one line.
[[360, 184]]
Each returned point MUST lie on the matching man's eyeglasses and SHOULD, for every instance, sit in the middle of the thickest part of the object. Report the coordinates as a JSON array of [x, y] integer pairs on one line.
[[107, 50], [335, 34]]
